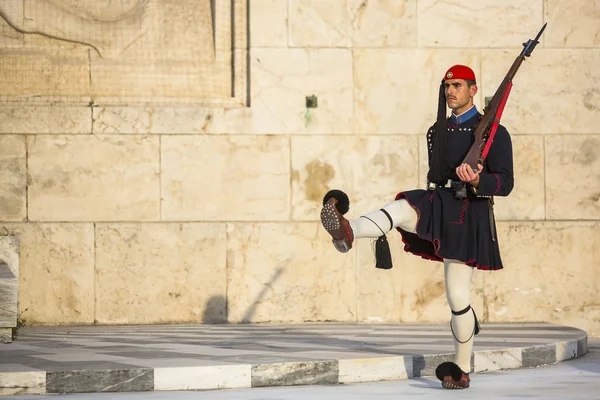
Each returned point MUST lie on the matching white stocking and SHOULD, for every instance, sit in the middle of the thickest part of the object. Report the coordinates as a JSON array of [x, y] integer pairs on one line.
[[458, 292], [402, 214]]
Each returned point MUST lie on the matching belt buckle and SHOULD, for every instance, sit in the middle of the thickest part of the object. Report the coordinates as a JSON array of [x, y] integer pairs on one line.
[[431, 186]]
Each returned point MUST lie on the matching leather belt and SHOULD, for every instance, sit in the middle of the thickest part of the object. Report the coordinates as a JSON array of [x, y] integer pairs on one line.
[[448, 185]]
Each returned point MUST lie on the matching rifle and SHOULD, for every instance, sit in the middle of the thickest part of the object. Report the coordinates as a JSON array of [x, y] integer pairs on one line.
[[485, 131]]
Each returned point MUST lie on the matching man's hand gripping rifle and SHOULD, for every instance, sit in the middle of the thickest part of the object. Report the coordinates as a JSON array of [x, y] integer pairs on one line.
[[486, 129]]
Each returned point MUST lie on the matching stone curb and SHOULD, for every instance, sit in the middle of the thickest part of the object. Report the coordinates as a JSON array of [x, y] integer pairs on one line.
[[324, 372]]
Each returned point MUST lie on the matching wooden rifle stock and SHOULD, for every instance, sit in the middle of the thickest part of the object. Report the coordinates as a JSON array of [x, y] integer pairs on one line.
[[485, 130]]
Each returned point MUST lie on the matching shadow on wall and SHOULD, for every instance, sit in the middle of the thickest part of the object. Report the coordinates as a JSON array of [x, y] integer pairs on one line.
[[215, 310]]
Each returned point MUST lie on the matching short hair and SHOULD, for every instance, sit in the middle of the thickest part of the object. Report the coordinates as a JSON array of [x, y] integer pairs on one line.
[[471, 82]]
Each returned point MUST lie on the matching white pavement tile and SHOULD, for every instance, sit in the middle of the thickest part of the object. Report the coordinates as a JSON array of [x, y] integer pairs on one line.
[[197, 378]]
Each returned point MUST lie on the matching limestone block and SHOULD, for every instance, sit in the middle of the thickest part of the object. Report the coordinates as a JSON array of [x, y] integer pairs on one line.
[[569, 197], [163, 120], [13, 178], [9, 288], [269, 23], [34, 73], [19, 383], [383, 23], [396, 90], [98, 178], [412, 291], [56, 283], [485, 23], [30, 119], [122, 120], [288, 272], [281, 81], [160, 273], [378, 23], [536, 102], [225, 177], [172, 50], [371, 170], [319, 23], [527, 200], [9, 253], [572, 24], [547, 275]]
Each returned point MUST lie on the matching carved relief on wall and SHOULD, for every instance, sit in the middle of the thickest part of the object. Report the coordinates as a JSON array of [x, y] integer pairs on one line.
[[122, 51]]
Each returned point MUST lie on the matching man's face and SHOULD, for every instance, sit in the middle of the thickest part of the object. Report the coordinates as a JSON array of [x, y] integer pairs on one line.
[[459, 95]]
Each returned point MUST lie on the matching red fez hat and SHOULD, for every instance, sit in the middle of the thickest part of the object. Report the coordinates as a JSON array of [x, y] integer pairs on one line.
[[460, 72]]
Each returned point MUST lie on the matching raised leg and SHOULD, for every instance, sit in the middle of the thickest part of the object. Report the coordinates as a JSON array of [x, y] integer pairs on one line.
[[372, 225]]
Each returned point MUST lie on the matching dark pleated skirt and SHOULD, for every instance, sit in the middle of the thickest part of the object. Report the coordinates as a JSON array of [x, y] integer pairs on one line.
[[457, 229]]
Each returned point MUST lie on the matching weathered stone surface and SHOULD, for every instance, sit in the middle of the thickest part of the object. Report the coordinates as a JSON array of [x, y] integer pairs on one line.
[[383, 23], [269, 23], [18, 383], [9, 290], [44, 73], [116, 181], [124, 120], [353, 23], [371, 170], [163, 62], [288, 374], [93, 381], [547, 274], [160, 273], [568, 197], [539, 355], [493, 360], [486, 23], [375, 369], [566, 350], [287, 272], [167, 120], [396, 90], [572, 24], [56, 283], [199, 378], [225, 178], [6, 336], [281, 81], [537, 103], [319, 23], [9, 253], [13, 178], [44, 119]]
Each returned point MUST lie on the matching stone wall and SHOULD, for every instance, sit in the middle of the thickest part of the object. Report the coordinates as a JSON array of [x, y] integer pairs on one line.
[[149, 211]]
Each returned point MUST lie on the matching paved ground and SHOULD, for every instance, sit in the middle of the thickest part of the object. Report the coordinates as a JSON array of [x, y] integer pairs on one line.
[[180, 357], [577, 379]]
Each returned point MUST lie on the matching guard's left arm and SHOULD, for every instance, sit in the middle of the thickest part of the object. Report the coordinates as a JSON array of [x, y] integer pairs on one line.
[[497, 177]]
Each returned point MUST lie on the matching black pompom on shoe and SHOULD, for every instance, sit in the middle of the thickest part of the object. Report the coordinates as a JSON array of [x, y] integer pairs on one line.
[[343, 203], [452, 376], [448, 369]]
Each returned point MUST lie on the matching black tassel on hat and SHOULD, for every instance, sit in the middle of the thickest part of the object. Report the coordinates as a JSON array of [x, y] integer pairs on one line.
[[439, 170]]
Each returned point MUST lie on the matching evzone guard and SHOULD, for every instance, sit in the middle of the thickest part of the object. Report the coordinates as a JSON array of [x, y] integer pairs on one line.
[[451, 221]]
